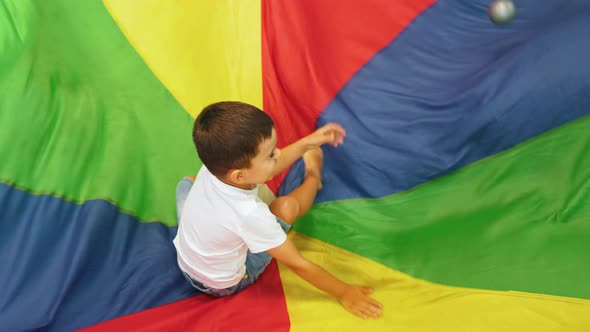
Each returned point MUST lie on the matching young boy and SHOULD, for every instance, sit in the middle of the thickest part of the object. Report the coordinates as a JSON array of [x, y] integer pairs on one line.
[[227, 235]]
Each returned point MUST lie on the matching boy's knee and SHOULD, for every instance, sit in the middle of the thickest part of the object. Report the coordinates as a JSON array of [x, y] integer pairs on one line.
[[184, 186], [286, 208]]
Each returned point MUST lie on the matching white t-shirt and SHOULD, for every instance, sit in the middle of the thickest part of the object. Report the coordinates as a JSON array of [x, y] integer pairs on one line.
[[217, 226]]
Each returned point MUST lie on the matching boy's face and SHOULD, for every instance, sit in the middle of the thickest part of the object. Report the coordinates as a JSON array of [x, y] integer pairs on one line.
[[263, 164]]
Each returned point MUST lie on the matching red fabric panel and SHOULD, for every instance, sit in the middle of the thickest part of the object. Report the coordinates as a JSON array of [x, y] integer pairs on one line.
[[311, 48], [259, 307]]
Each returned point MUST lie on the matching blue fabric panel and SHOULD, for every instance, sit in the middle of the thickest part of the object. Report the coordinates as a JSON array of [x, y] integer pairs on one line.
[[453, 89], [67, 266]]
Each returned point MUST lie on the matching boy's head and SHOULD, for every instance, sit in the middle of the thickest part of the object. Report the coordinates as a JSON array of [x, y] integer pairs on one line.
[[233, 139]]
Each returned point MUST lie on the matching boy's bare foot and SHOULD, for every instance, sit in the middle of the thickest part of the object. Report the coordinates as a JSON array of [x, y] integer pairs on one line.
[[314, 162]]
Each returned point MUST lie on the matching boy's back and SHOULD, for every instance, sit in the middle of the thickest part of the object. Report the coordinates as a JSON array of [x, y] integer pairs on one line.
[[218, 224]]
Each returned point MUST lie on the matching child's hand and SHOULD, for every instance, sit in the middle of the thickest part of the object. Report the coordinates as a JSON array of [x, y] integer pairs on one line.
[[356, 299], [330, 133]]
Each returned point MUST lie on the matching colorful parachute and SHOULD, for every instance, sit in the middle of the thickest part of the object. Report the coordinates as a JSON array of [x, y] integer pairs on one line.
[[462, 193]]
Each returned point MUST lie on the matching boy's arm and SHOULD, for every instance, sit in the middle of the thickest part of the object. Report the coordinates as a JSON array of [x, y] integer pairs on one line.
[[355, 299], [331, 133]]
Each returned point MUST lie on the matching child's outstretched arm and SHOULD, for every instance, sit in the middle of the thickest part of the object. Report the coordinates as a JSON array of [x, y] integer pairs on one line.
[[330, 133], [355, 299]]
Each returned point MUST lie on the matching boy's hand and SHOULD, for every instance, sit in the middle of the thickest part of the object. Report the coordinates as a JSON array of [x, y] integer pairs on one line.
[[356, 299], [330, 133]]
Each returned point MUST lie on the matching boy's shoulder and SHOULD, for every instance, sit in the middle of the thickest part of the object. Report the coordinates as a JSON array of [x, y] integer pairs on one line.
[[254, 209]]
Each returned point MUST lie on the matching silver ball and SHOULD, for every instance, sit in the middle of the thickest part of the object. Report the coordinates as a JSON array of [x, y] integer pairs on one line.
[[502, 11]]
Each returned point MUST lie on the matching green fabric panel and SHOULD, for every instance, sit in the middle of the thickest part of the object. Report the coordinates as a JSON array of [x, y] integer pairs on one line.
[[519, 221], [82, 116]]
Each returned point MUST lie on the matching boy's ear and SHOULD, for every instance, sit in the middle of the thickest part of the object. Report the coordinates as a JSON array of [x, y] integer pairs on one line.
[[236, 175]]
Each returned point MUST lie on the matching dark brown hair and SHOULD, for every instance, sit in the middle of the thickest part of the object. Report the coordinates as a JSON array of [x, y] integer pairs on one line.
[[227, 135]]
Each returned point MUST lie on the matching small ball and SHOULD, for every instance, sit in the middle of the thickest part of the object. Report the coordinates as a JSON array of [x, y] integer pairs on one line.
[[501, 11]]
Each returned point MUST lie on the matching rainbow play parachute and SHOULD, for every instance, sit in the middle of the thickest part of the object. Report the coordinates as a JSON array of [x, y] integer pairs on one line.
[[462, 192]]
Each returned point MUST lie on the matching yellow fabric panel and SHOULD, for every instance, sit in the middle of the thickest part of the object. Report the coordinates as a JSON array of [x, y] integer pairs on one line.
[[202, 51], [416, 305]]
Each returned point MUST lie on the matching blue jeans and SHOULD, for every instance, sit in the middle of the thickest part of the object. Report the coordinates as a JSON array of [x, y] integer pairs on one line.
[[255, 263]]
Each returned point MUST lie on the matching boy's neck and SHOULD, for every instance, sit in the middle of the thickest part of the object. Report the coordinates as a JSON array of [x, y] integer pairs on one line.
[[237, 185]]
